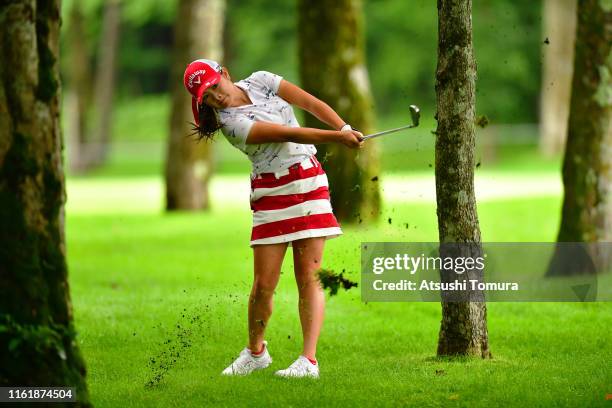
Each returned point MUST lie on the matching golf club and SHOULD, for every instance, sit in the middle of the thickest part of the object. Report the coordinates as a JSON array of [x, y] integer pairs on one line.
[[415, 115]]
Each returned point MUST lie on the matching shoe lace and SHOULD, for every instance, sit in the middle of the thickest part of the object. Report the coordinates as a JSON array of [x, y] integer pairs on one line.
[[297, 366], [242, 363], [243, 358]]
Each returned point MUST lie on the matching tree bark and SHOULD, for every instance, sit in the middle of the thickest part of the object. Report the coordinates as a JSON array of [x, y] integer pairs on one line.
[[332, 68], [78, 96], [587, 165], [189, 165], [37, 335], [463, 328], [558, 49], [105, 84]]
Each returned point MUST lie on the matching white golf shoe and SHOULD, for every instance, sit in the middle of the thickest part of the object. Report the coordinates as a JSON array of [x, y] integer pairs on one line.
[[246, 363], [301, 367]]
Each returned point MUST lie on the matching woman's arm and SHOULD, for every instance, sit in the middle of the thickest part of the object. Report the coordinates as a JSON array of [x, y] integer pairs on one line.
[[268, 132], [319, 109]]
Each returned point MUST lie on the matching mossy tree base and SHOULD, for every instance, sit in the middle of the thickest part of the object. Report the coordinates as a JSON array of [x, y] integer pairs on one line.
[[37, 338]]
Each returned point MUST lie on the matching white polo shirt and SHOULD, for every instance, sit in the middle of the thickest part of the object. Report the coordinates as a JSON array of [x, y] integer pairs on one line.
[[262, 88]]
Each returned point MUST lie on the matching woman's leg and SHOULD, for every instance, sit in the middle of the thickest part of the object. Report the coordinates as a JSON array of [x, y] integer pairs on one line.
[[267, 265], [307, 257]]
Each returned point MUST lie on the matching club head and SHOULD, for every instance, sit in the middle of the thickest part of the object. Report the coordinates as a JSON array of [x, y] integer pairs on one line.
[[415, 115]]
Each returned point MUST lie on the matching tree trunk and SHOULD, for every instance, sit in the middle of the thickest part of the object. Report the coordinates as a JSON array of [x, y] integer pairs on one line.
[[558, 49], [463, 328], [37, 335], [105, 84], [189, 166], [332, 68], [587, 166], [78, 96]]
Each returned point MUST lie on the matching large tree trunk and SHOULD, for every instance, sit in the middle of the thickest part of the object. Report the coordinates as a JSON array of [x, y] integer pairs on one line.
[[105, 84], [463, 328], [189, 166], [587, 166], [37, 335], [559, 32], [332, 68]]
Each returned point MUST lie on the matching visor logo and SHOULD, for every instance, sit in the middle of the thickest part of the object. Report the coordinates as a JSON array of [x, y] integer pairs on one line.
[[191, 78]]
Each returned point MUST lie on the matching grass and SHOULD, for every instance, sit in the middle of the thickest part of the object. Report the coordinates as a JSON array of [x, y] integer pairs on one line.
[[150, 285]]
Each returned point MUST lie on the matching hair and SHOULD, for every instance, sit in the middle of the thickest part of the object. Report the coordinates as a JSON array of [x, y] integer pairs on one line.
[[209, 123]]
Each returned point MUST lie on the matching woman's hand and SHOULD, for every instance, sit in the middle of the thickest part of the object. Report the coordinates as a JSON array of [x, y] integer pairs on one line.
[[351, 139]]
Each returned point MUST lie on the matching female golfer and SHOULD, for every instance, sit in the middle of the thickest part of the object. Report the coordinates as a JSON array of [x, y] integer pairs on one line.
[[289, 193]]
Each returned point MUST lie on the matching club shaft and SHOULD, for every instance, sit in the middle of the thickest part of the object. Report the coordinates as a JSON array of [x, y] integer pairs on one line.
[[385, 132]]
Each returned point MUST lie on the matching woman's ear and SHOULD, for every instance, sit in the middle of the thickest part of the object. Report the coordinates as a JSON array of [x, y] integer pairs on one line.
[[225, 73]]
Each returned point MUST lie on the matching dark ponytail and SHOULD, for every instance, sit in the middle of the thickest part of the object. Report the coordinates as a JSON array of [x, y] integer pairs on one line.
[[209, 123]]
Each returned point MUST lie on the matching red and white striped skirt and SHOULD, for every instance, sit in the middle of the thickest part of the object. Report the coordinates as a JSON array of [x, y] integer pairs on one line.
[[291, 205]]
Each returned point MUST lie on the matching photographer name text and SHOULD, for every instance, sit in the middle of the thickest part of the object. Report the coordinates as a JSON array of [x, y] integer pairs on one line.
[[413, 264]]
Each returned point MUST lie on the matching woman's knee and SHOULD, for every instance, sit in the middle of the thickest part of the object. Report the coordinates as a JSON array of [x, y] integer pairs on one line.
[[264, 287], [306, 279]]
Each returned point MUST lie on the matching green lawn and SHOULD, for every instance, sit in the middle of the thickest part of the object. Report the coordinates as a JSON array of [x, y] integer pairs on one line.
[[175, 287]]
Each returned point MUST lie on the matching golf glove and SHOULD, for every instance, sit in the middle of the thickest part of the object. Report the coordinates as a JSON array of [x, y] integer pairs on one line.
[[349, 127]]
